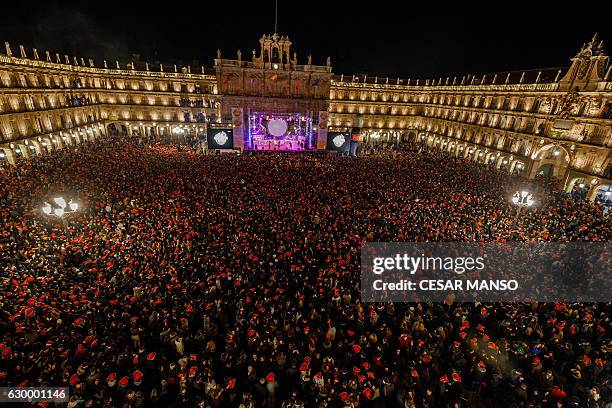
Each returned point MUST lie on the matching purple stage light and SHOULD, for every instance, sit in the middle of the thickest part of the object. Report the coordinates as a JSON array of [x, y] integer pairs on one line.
[[279, 131]]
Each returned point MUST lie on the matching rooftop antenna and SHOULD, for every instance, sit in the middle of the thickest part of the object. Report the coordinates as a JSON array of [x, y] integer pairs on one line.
[[275, 16]]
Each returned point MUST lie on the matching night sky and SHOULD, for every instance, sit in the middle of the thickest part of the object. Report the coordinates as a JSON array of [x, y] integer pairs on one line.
[[379, 38]]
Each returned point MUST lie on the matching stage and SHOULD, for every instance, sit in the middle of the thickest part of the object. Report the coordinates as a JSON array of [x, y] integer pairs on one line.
[[280, 131]]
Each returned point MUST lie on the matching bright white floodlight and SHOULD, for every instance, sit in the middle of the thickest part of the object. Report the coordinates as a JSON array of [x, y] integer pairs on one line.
[[522, 199], [60, 202], [47, 208], [59, 207]]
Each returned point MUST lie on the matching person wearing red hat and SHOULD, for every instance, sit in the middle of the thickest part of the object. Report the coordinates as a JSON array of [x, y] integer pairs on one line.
[[192, 371], [124, 381], [137, 377], [111, 380], [74, 380]]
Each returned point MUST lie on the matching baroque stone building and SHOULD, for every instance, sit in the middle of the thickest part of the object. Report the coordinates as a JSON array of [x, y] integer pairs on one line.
[[544, 121]]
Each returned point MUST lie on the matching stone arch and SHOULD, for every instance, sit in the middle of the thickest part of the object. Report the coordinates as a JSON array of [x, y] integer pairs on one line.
[[46, 145], [503, 163], [479, 155], [116, 129], [20, 151], [517, 166], [603, 194], [34, 148], [580, 187], [468, 152], [553, 157], [546, 169], [564, 153], [6, 156]]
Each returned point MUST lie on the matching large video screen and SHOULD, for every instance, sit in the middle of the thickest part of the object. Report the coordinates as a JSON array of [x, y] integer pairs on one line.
[[338, 141], [220, 138]]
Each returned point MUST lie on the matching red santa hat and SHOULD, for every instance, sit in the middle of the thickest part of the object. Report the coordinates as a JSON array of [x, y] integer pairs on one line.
[[270, 377], [367, 393], [74, 379], [111, 380], [137, 377], [124, 381], [151, 356], [192, 371], [558, 393]]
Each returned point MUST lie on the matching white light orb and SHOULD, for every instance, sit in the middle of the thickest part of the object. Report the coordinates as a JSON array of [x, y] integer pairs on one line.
[[277, 127], [60, 201], [339, 140], [221, 138]]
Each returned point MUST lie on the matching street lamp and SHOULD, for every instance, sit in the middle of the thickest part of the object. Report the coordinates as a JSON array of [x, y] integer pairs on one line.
[[60, 208], [522, 199]]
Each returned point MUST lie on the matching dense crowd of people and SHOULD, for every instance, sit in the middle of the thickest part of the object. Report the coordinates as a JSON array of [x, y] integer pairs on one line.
[[188, 280]]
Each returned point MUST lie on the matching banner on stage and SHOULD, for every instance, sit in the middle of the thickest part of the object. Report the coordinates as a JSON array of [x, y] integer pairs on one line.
[[322, 130], [238, 128]]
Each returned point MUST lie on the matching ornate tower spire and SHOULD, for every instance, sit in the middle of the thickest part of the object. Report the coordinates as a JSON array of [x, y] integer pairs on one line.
[[588, 67]]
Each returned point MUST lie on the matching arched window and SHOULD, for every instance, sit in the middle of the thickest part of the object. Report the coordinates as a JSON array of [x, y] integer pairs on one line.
[[275, 55]]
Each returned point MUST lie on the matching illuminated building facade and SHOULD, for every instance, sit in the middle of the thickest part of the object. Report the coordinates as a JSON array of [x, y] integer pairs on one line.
[[551, 121]]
